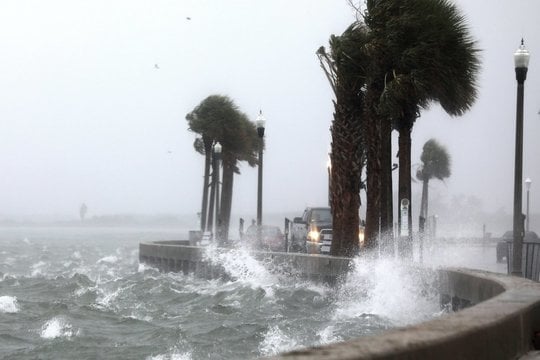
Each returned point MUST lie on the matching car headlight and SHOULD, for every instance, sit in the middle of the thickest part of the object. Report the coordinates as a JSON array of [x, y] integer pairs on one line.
[[361, 236], [314, 235]]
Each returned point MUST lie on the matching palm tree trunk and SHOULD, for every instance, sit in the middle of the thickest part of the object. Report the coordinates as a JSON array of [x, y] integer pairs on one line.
[[226, 199], [405, 240], [422, 218], [373, 168], [424, 205], [345, 177], [387, 234], [207, 160], [210, 223]]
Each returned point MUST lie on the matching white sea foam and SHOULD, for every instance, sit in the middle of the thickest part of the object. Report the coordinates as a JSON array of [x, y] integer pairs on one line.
[[111, 259], [37, 269], [144, 267], [26, 241], [9, 304], [107, 297], [140, 317], [76, 255], [174, 354], [57, 327], [276, 342]]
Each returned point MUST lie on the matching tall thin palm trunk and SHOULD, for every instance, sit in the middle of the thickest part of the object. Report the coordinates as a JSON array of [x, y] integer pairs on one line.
[[404, 191], [210, 223], [345, 178], [373, 168], [424, 205], [226, 199], [206, 181], [387, 219], [423, 217]]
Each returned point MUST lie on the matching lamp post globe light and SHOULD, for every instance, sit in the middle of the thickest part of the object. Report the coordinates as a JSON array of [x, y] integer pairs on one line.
[[521, 62], [260, 122], [528, 183], [217, 153]]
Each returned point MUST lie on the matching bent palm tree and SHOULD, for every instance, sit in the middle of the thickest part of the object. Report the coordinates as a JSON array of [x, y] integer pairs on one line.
[[425, 54], [344, 69], [435, 164], [218, 119]]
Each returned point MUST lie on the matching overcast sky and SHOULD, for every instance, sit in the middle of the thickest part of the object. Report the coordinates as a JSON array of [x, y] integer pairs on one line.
[[85, 115]]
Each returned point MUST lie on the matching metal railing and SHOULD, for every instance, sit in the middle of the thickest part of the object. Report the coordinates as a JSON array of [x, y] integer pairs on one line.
[[530, 260]]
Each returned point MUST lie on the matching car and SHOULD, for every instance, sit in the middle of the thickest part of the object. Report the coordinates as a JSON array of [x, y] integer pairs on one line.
[[502, 246], [272, 238]]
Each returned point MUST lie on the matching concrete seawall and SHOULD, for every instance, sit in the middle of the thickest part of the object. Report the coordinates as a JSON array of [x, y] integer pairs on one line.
[[499, 319]]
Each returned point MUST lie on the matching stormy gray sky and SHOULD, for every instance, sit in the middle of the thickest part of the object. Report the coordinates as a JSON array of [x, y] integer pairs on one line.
[[85, 116]]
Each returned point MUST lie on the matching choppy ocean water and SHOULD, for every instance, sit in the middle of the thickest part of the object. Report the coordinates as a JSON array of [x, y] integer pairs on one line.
[[80, 293]]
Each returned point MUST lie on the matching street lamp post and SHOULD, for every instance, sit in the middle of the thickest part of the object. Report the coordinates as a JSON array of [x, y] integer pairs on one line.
[[521, 61], [260, 123], [217, 154], [528, 183]]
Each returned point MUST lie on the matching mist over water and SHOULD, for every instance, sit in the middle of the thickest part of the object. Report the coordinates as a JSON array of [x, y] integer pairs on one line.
[[82, 293]]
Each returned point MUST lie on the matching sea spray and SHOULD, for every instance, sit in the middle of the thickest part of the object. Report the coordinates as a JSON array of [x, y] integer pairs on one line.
[[388, 289], [275, 342], [9, 304], [241, 266]]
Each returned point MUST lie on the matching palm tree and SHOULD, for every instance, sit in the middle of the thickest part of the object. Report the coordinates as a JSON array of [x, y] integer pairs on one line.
[[424, 53], [240, 143], [344, 68], [435, 164], [218, 119], [203, 145]]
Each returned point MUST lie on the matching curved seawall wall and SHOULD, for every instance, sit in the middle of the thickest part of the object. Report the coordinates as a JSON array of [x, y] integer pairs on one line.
[[499, 315]]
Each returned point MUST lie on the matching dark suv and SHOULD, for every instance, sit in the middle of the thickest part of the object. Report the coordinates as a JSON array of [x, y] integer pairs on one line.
[[306, 230]]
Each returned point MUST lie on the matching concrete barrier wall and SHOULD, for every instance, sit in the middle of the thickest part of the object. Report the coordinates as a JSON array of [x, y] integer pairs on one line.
[[170, 256], [501, 325]]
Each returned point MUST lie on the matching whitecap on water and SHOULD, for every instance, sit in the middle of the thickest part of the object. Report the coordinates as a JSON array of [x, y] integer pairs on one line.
[[143, 267], [8, 304], [242, 267], [111, 259], [57, 327], [37, 269], [174, 354], [107, 297], [76, 255]]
